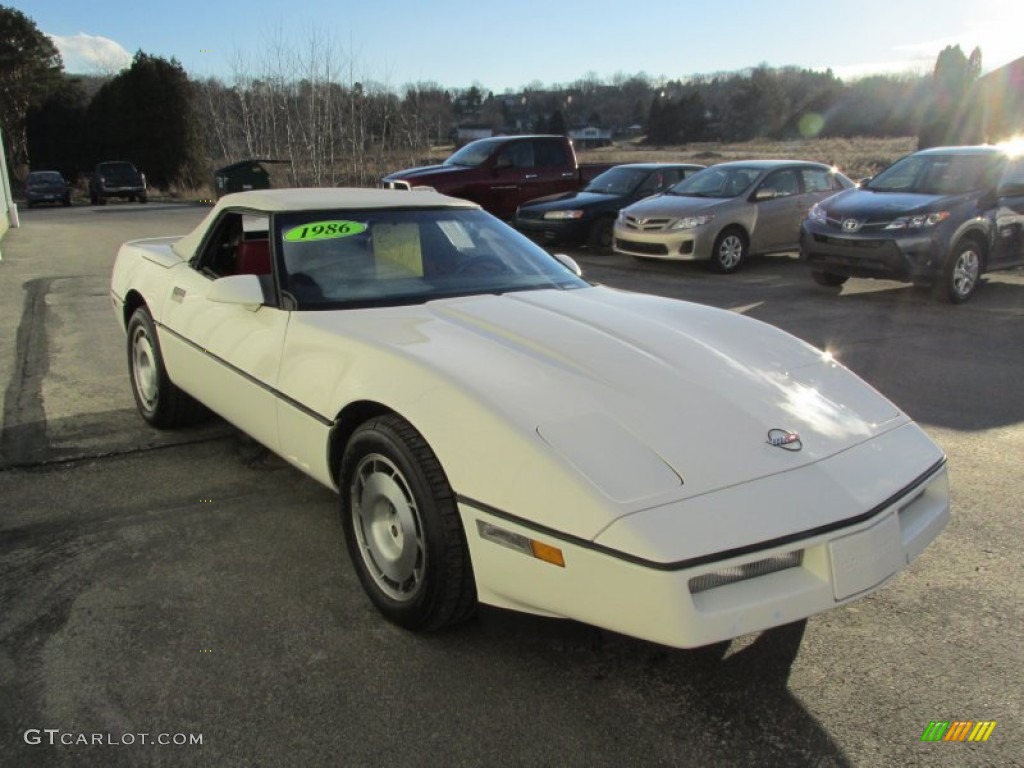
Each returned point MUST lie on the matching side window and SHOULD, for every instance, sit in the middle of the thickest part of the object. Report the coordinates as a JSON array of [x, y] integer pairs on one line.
[[549, 152], [238, 246], [784, 183], [517, 155], [1014, 172], [816, 180]]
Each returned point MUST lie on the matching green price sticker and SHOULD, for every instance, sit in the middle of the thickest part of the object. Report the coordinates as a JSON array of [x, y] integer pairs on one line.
[[323, 230]]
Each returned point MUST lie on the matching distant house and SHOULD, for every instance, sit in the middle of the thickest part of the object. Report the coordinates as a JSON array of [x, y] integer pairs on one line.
[[591, 137]]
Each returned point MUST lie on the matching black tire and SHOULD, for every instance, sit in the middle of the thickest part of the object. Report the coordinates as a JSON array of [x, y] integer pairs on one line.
[[829, 279], [601, 236], [143, 199], [960, 273], [159, 401], [66, 202], [402, 528], [730, 250], [93, 199]]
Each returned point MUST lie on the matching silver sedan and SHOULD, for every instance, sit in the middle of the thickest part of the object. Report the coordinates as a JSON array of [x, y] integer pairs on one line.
[[724, 213]]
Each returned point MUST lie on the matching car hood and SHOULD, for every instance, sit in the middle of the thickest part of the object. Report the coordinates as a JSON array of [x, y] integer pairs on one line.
[[425, 172], [648, 399], [571, 201], [675, 206], [865, 204]]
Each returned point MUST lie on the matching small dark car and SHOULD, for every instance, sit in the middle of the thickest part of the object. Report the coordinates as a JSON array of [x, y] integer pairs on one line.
[[940, 217], [46, 187], [117, 178], [587, 216]]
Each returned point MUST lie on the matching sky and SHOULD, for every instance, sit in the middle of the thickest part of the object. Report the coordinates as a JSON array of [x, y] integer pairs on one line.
[[509, 45]]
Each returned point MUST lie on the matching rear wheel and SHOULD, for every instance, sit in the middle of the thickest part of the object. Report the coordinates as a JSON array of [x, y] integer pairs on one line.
[[730, 250], [829, 279], [960, 273], [159, 401], [402, 528]]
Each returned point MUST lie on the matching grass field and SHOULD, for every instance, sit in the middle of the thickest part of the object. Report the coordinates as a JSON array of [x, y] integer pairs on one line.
[[856, 157]]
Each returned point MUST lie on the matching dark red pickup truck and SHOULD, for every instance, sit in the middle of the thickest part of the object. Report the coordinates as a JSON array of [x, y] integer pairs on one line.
[[502, 172]]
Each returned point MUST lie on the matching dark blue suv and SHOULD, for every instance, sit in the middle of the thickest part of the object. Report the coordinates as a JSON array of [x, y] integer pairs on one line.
[[939, 217]]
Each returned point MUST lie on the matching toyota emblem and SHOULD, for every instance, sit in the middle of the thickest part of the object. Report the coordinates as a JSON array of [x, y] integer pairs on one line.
[[851, 225]]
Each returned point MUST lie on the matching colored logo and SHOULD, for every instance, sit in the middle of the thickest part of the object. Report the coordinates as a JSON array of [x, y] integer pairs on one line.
[[783, 438], [958, 730]]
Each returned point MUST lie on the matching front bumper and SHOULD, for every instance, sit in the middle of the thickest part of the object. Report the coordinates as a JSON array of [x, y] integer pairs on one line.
[[555, 230], [912, 257], [679, 245], [665, 601]]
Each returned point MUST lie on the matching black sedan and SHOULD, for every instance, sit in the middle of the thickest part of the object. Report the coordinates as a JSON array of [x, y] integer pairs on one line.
[[46, 187], [587, 217]]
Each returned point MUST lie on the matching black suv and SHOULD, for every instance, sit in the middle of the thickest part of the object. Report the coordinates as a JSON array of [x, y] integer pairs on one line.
[[116, 178], [938, 217]]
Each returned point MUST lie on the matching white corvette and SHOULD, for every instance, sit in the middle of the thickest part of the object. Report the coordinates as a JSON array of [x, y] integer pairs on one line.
[[501, 431]]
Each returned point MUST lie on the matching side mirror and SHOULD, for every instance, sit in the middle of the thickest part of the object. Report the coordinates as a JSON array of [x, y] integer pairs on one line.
[[864, 181], [244, 290], [569, 263]]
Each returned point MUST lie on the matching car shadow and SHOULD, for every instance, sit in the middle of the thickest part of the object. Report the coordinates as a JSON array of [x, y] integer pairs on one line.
[[727, 703]]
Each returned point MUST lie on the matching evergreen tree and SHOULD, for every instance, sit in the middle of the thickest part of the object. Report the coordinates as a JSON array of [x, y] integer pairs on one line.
[[30, 67]]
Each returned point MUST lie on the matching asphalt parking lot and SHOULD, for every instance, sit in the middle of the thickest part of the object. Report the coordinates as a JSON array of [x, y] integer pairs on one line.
[[159, 587]]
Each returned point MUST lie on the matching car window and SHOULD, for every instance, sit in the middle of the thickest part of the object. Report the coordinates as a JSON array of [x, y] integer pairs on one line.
[[1014, 171], [517, 155], [549, 152], [336, 259], [724, 182], [238, 244], [817, 179], [938, 174], [617, 181], [783, 183]]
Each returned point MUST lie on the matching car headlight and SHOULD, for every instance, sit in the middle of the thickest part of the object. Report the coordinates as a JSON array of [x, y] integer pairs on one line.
[[558, 215], [817, 213], [691, 222], [921, 221]]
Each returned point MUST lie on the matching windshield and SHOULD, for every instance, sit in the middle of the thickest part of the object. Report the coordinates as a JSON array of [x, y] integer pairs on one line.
[[617, 181], [43, 177], [474, 153], [719, 181], [336, 259], [939, 174]]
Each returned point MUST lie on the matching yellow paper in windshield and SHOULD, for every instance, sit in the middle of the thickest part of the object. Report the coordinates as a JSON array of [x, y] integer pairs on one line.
[[396, 248]]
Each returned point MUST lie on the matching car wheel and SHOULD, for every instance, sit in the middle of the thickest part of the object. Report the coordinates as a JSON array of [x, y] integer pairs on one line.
[[600, 239], [402, 528], [143, 199], [66, 202], [159, 401], [730, 250], [93, 200], [829, 279], [961, 273]]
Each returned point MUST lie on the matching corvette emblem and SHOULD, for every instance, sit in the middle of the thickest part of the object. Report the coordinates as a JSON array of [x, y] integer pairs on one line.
[[783, 438]]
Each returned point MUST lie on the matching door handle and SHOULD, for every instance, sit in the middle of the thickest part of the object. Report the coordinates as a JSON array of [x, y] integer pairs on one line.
[[530, 176]]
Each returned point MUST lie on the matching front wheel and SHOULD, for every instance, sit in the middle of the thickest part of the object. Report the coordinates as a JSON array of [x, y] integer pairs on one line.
[[402, 528], [960, 273], [730, 251], [600, 239], [159, 401]]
